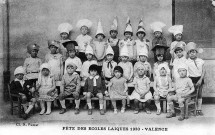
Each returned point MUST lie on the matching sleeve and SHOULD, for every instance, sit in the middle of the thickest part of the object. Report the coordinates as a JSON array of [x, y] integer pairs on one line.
[[79, 65], [148, 81], [13, 88], [132, 71], [135, 81], [25, 65], [135, 50], [86, 85], [190, 83], [63, 83], [164, 42], [78, 87], [103, 86], [46, 58]]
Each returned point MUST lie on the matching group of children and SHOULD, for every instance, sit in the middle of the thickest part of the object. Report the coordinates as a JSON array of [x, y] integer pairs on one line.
[[107, 68]]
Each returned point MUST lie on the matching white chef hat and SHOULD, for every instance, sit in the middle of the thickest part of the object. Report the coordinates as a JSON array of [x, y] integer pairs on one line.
[[143, 51], [19, 70], [128, 27], [89, 50], [165, 66], [140, 27], [193, 46], [157, 26], [109, 50], [114, 25], [176, 29], [84, 22], [100, 29], [65, 27], [124, 51]]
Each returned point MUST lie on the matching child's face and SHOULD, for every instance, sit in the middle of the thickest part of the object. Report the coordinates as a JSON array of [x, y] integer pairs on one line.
[[192, 54], [140, 71], [163, 71], [19, 76], [124, 58], [117, 74], [160, 57], [84, 30], [64, 35], [71, 53], [89, 56], [100, 37], [178, 37], [143, 58], [140, 35], [34, 53], [45, 71], [109, 57], [127, 35], [157, 34], [179, 53], [113, 34], [53, 49], [70, 69], [182, 72], [93, 73]]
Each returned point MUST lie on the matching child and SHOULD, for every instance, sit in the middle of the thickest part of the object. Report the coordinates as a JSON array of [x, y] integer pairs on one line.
[[24, 89], [162, 84], [109, 64], [129, 42], [180, 59], [159, 39], [99, 47], [143, 55], [141, 92], [196, 71], [94, 86], [183, 88], [113, 41], [90, 61], [141, 43], [83, 39], [64, 29], [46, 87], [69, 45], [32, 64], [70, 86], [118, 88]]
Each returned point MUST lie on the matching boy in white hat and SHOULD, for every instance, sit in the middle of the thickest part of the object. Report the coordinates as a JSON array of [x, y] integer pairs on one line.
[[142, 44], [99, 46], [196, 71], [70, 86], [24, 88], [109, 64], [83, 39], [129, 42], [64, 29], [90, 61], [183, 87], [113, 41]]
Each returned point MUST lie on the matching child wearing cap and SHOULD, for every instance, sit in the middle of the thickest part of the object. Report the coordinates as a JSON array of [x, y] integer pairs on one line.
[[162, 84], [24, 89], [83, 39], [141, 92], [99, 46], [94, 87], [70, 47], [32, 64], [113, 41], [117, 88], [183, 87], [90, 61], [70, 86], [141, 43], [109, 64], [46, 87], [196, 71], [129, 42]]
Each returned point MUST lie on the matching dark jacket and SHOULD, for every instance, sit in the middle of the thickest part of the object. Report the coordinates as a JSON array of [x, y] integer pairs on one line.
[[100, 88]]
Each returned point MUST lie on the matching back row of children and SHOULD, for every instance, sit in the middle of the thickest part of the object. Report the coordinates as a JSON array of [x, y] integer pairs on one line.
[[111, 62]]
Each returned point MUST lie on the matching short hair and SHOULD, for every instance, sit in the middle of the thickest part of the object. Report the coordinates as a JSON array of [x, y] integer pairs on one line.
[[118, 68], [93, 67], [178, 49], [128, 32]]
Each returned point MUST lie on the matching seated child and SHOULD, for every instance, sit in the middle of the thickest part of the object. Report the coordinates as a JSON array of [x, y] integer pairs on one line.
[[24, 89], [70, 86], [118, 88], [183, 88], [46, 87], [141, 92], [94, 86], [162, 84], [160, 59]]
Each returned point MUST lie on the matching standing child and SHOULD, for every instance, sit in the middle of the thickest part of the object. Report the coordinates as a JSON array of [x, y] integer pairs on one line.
[[94, 86], [83, 39], [70, 86], [46, 87], [183, 88], [24, 89], [196, 71], [117, 88], [109, 64], [113, 41], [141, 92], [162, 84], [129, 42], [99, 46], [90, 61]]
